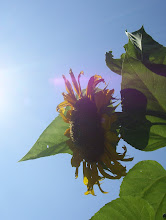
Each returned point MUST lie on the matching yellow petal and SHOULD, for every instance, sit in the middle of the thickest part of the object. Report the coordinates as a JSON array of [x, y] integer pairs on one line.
[[63, 116], [85, 180], [87, 193], [62, 105], [67, 132], [90, 191]]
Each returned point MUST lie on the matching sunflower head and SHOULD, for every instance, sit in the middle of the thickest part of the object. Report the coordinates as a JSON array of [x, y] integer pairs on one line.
[[92, 136], [86, 131]]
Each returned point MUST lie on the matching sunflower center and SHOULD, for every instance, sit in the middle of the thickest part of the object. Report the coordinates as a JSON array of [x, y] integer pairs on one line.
[[86, 130]]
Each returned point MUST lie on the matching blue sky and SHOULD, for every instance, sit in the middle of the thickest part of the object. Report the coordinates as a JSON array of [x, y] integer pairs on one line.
[[40, 41]]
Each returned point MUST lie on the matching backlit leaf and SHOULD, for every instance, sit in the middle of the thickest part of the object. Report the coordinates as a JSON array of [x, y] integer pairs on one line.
[[147, 179], [126, 208], [143, 87], [52, 141]]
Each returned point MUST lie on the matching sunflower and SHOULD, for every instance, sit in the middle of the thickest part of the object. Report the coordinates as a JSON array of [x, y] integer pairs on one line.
[[92, 133]]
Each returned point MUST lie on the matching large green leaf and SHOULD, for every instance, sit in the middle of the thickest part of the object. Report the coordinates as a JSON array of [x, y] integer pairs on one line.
[[147, 179], [126, 208], [52, 141], [143, 81]]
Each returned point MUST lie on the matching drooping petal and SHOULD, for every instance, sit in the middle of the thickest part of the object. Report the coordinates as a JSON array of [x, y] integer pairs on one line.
[[94, 80], [127, 159], [62, 105], [61, 112], [115, 167], [124, 154], [106, 161], [95, 175], [86, 173], [101, 188], [76, 173], [106, 175], [75, 84], [119, 169], [114, 155], [79, 85]]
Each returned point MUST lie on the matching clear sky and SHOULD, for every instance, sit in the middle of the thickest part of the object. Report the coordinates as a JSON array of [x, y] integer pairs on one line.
[[40, 41]]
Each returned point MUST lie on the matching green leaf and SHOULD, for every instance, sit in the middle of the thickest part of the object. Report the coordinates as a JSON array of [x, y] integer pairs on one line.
[[52, 141], [152, 54], [147, 179], [114, 64], [126, 208], [143, 81], [135, 128]]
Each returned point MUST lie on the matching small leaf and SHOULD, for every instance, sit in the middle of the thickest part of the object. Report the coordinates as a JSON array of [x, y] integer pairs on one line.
[[126, 208], [147, 179], [52, 141]]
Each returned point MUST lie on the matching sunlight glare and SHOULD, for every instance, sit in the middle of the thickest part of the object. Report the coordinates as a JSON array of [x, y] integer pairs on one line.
[[5, 90]]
